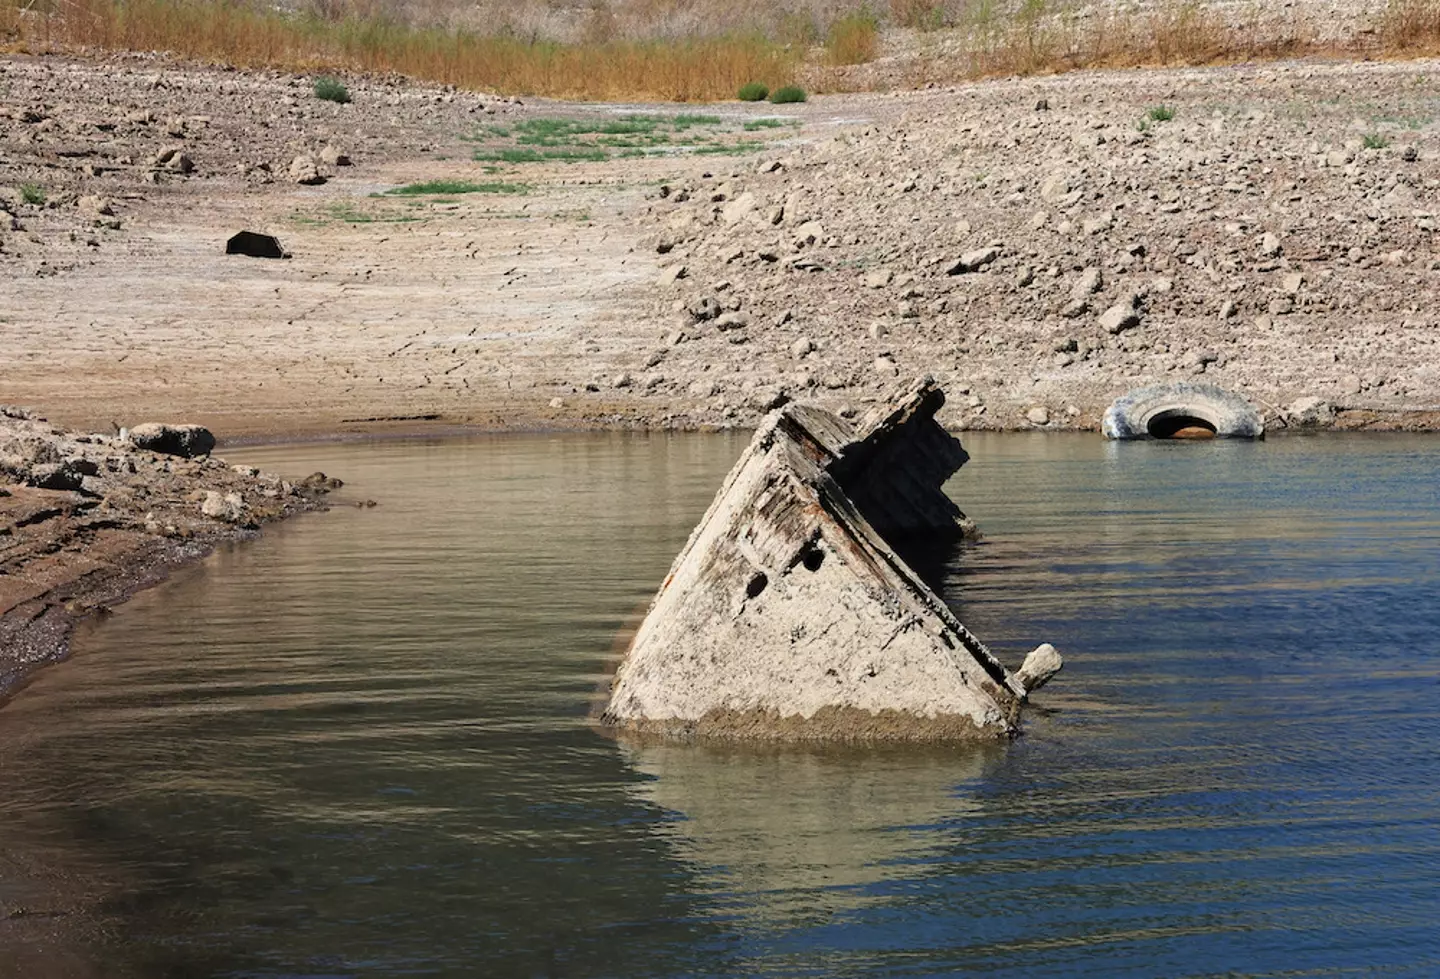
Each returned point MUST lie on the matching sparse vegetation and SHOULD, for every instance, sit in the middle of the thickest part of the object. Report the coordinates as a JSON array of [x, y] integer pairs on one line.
[[457, 187], [768, 122], [788, 94], [1374, 141], [924, 15], [331, 90], [569, 139], [853, 39], [1160, 113], [32, 193], [753, 92]]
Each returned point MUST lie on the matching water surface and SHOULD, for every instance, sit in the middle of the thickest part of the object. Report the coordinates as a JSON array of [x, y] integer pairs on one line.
[[359, 746]]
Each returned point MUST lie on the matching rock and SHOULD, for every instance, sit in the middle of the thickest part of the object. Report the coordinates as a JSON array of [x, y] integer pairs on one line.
[[317, 483], [1039, 415], [704, 309], [878, 279], [1122, 316], [1055, 188], [174, 158], [1039, 667], [186, 441], [701, 389], [738, 209], [1228, 309], [673, 274], [255, 245], [1351, 385], [801, 347], [334, 157], [304, 170], [1309, 412], [1291, 283], [732, 321], [1270, 245], [229, 507], [95, 205], [886, 367], [975, 260], [1088, 284], [66, 475]]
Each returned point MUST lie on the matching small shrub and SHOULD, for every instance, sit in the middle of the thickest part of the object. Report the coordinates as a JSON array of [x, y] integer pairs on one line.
[[331, 90], [1160, 113], [790, 93], [1374, 141], [853, 39], [32, 193], [753, 92]]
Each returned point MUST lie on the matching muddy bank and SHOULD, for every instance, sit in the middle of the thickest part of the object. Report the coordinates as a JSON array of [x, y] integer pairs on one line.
[[88, 519]]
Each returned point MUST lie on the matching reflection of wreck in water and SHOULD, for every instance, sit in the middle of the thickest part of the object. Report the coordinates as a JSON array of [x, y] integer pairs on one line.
[[794, 613], [847, 818]]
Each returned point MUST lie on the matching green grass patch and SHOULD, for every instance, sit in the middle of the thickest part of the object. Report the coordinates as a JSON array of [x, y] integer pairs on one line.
[[570, 140], [1160, 113], [32, 193], [1374, 141], [457, 187], [753, 92], [689, 120], [755, 125], [728, 149], [787, 95]]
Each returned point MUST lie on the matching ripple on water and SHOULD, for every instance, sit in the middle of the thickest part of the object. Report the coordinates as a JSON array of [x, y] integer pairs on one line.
[[359, 746]]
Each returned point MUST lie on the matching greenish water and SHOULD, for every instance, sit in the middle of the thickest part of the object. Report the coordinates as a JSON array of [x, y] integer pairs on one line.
[[359, 746]]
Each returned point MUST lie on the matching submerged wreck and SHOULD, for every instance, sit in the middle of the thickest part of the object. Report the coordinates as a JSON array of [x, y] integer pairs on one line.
[[794, 611]]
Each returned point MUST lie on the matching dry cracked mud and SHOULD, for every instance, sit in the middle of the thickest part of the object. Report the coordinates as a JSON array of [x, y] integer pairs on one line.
[[1041, 245]]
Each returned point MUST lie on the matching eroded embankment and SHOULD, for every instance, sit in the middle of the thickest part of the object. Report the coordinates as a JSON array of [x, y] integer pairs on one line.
[[86, 520]]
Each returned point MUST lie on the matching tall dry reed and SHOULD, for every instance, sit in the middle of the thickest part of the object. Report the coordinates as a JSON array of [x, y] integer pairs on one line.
[[683, 70]]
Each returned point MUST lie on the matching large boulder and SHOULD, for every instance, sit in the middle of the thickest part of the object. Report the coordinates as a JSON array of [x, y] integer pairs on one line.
[[175, 440]]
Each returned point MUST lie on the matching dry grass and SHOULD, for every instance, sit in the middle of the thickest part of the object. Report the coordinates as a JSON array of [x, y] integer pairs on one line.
[[1412, 27], [690, 50], [853, 39], [691, 69]]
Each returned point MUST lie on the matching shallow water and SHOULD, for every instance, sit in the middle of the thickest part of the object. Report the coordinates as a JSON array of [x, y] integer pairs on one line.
[[359, 747]]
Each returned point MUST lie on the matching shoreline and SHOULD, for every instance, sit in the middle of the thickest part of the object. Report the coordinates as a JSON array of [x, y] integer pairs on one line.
[[36, 629], [87, 520]]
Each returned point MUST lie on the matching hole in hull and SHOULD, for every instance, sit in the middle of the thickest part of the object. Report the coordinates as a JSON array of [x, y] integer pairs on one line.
[[1178, 425]]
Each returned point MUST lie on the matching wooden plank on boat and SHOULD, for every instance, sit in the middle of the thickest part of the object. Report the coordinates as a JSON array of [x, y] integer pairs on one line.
[[792, 614]]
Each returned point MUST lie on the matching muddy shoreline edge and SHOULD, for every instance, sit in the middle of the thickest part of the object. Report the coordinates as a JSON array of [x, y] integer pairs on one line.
[[87, 520]]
